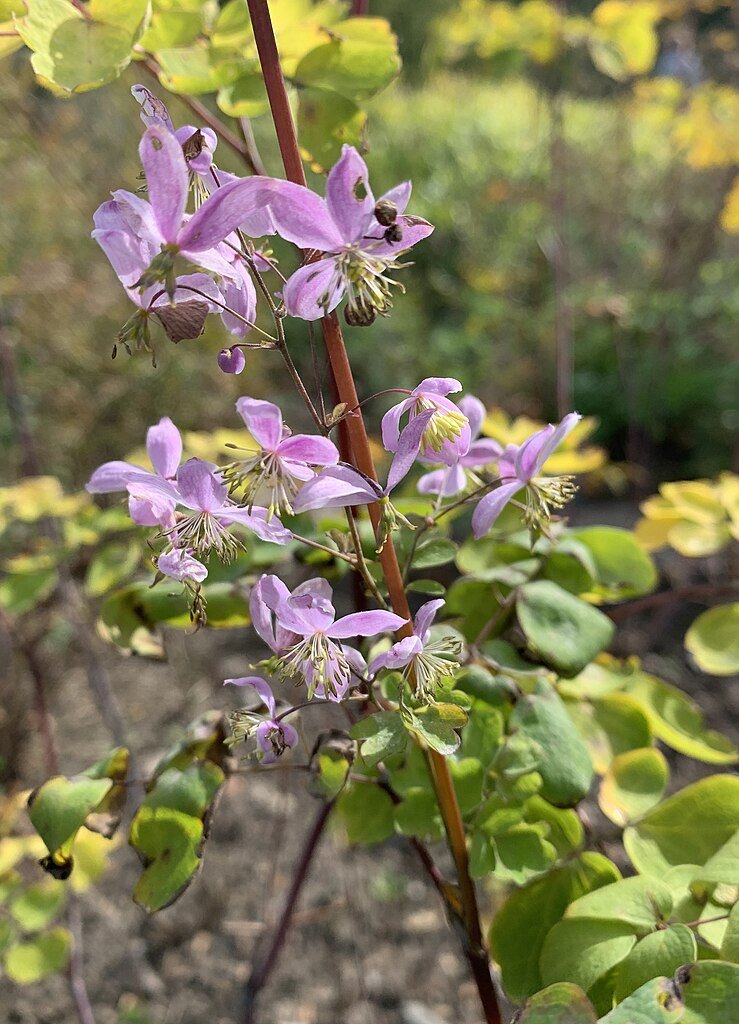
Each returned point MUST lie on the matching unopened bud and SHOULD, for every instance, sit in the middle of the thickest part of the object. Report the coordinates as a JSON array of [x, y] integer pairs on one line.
[[386, 212]]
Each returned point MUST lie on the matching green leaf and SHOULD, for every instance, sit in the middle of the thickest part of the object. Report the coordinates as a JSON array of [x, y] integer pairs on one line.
[[610, 726], [623, 567], [246, 97], [563, 631], [111, 565], [633, 784], [688, 828], [383, 734], [565, 833], [657, 1002], [37, 905], [496, 561], [730, 943], [360, 59], [438, 725], [571, 566], [172, 25], [467, 775], [641, 902], [431, 587], [330, 768], [678, 721], [195, 69], [168, 832], [368, 813], [29, 962], [522, 853], [710, 993], [659, 953], [521, 925], [713, 640], [60, 807], [74, 53], [562, 1003], [583, 950], [723, 867], [21, 592], [326, 122], [434, 552], [564, 766], [483, 734], [478, 682], [418, 815]]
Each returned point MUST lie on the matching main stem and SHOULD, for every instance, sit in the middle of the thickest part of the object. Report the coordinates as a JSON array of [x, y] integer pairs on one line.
[[361, 455]]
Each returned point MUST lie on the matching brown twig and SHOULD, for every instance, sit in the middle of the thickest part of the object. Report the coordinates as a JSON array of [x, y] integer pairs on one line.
[[700, 593]]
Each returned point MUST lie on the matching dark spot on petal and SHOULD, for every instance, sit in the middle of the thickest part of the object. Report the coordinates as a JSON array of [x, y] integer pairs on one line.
[[360, 190], [156, 143]]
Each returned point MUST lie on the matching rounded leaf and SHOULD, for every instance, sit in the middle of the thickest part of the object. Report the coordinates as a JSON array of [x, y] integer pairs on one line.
[[633, 784], [713, 640]]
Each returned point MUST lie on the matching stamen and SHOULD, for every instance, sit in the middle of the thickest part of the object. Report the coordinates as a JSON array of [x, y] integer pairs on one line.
[[259, 474], [320, 662], [445, 425], [545, 495], [436, 661], [367, 285], [203, 533]]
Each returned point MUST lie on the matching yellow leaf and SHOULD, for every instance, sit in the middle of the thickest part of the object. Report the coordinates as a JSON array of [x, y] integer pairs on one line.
[[730, 212], [696, 500], [698, 540]]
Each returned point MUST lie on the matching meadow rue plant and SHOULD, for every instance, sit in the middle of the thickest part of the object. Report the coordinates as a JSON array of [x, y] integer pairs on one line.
[[486, 730]]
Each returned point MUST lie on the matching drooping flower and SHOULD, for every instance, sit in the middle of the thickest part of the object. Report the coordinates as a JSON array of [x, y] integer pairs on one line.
[[341, 486], [281, 463], [164, 448], [519, 467], [274, 736], [446, 437], [425, 662], [318, 656], [232, 360], [181, 565], [204, 527], [361, 238], [451, 479]]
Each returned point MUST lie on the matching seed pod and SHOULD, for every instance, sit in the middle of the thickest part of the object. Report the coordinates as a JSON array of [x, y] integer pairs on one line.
[[386, 212]]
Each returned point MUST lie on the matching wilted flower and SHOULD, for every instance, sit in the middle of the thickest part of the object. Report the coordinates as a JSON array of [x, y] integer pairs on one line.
[[283, 460], [446, 437], [519, 466], [361, 237], [274, 737], [425, 662], [452, 479]]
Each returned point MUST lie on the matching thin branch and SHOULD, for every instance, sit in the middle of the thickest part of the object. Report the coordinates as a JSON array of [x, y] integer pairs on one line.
[[700, 593]]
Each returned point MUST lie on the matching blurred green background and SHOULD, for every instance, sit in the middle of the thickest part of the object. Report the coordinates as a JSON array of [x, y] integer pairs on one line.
[[567, 220]]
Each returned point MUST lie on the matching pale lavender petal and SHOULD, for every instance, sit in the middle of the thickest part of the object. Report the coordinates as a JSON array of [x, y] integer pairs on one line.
[[222, 212], [566, 427], [153, 110], [207, 291], [413, 229], [425, 616], [527, 459], [126, 255], [336, 487], [437, 386], [166, 179], [391, 424], [310, 448], [208, 142], [240, 296], [365, 624], [450, 451], [356, 661], [399, 655], [210, 259], [481, 453], [258, 521], [507, 462], [317, 615], [114, 476], [299, 470], [231, 360], [263, 421], [406, 454], [138, 217], [475, 412], [261, 686], [313, 290], [180, 565], [256, 222], [164, 447], [266, 595], [489, 508], [348, 195], [444, 481], [300, 216], [400, 195], [147, 513], [200, 488]]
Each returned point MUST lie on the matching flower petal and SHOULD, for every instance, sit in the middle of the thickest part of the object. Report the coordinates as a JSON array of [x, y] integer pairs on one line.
[[391, 424], [166, 178], [448, 481], [406, 454], [310, 448], [180, 565], [258, 521], [200, 488], [164, 447], [153, 110], [475, 412], [400, 195], [223, 211], [127, 256], [489, 508], [413, 230], [437, 386], [313, 290], [263, 421], [336, 487], [241, 297], [348, 195], [564, 428], [300, 216], [425, 616], [399, 655], [529, 453], [365, 624], [261, 686], [114, 476], [481, 453], [265, 595]]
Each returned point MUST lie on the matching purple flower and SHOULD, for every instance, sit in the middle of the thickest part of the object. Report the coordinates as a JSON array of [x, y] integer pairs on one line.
[[317, 655], [210, 513], [164, 448], [446, 437], [452, 479], [179, 564], [274, 737], [341, 486], [282, 461], [519, 467], [232, 360], [425, 661], [362, 240], [198, 144]]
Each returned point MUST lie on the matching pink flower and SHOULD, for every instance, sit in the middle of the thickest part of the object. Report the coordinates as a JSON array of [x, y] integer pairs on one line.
[[274, 737], [179, 564], [519, 467], [452, 479], [446, 437], [425, 662], [362, 239]]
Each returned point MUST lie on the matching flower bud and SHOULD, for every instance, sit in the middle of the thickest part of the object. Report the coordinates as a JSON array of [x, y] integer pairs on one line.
[[386, 212], [231, 360]]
